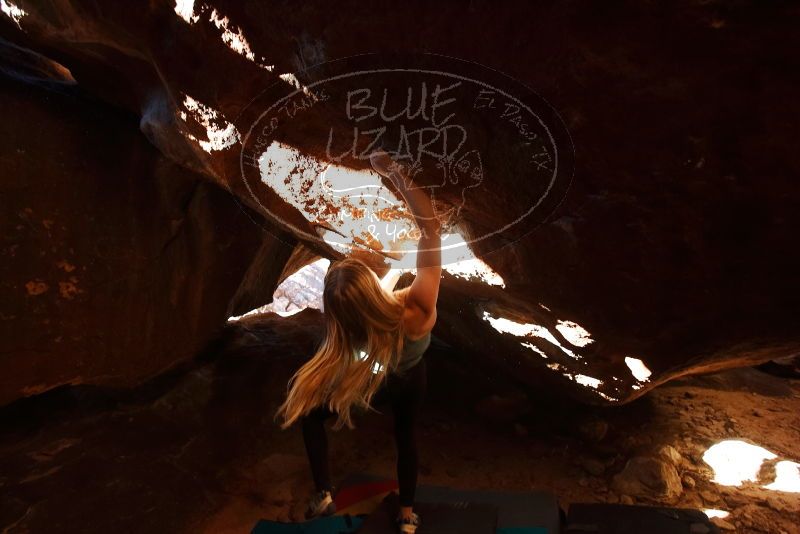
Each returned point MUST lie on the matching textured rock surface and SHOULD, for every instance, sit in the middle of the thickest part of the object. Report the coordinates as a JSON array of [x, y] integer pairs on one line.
[[115, 262], [198, 450], [676, 242], [648, 477]]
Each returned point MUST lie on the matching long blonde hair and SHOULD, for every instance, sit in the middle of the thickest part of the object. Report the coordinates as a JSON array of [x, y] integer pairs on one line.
[[360, 317]]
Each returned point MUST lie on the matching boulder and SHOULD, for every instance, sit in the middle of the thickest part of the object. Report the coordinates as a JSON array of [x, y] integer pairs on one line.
[[593, 429], [650, 478], [672, 252], [670, 454], [591, 466], [116, 263]]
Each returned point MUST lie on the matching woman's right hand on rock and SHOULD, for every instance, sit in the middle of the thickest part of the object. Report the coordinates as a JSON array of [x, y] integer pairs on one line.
[[382, 162]]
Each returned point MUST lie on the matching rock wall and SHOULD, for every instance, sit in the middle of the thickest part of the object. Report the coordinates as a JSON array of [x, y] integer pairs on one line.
[[675, 245], [116, 262]]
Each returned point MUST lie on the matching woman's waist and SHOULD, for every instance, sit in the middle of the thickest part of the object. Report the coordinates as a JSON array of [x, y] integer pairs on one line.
[[409, 361]]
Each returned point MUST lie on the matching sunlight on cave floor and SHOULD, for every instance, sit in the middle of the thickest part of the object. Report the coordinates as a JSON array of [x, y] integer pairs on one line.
[[735, 462]]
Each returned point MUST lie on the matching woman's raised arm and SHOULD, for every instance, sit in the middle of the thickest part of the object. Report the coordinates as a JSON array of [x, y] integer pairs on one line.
[[424, 291]]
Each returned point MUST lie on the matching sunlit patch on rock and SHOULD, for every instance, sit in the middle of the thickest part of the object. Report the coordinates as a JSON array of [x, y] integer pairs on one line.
[[220, 134], [588, 381], [299, 291], [787, 477], [711, 513], [638, 369], [185, 10], [350, 207], [14, 12], [535, 349], [232, 36], [736, 461], [292, 80], [574, 333], [459, 260], [584, 380], [507, 326]]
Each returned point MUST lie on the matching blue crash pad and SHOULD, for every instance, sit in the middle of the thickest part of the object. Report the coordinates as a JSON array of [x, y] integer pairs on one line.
[[324, 525]]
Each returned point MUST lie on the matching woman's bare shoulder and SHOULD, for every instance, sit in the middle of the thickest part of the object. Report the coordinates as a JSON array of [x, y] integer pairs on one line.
[[416, 322]]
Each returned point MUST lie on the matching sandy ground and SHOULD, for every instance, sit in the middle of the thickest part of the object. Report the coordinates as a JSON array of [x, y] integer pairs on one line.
[[197, 450]]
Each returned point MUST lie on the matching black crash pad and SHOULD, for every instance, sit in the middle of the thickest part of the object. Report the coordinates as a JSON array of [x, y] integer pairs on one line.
[[515, 509], [518, 512], [437, 518], [625, 519]]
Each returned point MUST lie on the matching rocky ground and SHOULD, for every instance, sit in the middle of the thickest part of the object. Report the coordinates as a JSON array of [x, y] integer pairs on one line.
[[197, 450]]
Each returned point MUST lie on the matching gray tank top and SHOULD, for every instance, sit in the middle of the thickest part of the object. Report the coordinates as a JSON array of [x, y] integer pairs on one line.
[[413, 349]]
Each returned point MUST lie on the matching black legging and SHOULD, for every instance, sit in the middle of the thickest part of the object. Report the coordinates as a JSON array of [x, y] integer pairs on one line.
[[405, 394]]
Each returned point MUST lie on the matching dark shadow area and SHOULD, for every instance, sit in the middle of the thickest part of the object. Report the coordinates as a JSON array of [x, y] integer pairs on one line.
[[197, 447]]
